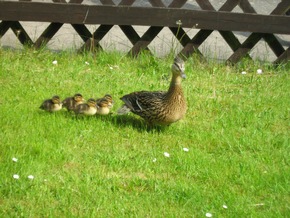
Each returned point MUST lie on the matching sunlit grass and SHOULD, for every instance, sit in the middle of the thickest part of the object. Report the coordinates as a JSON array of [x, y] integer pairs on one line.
[[236, 132]]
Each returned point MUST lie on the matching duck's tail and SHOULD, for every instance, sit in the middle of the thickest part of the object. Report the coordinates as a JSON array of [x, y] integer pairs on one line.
[[123, 110]]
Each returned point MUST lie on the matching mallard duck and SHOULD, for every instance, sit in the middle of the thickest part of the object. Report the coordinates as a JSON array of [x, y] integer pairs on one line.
[[70, 103], [159, 107], [108, 98], [88, 108], [52, 104], [103, 106]]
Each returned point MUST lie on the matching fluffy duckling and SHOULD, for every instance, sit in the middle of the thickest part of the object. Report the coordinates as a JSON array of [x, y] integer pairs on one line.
[[88, 108], [51, 105], [103, 106], [70, 103], [159, 107], [108, 98]]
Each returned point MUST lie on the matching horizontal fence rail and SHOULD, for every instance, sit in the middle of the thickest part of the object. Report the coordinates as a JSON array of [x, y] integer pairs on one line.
[[157, 16]]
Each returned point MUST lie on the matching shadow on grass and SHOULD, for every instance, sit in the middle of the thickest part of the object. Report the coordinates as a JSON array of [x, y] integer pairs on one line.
[[134, 122], [120, 121]]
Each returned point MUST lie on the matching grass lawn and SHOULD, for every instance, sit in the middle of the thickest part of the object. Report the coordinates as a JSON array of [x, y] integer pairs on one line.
[[236, 130]]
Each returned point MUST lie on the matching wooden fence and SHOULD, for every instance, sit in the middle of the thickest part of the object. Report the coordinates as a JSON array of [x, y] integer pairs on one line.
[[157, 16]]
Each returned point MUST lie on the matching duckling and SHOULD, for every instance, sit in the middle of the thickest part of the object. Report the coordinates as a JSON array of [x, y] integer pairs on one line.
[[103, 106], [88, 108], [159, 107], [109, 100], [52, 104], [70, 103]]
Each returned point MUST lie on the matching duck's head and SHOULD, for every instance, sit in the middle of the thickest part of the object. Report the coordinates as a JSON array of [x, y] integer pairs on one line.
[[55, 99], [178, 67], [104, 103], [78, 97], [109, 98], [91, 102]]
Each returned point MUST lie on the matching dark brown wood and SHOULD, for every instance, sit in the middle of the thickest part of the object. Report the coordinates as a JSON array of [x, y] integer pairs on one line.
[[229, 5], [145, 40], [254, 38], [195, 42], [246, 6], [4, 27], [20, 33], [92, 44], [83, 31], [202, 35], [283, 57], [87, 14], [48, 33], [205, 5], [156, 17], [274, 44], [243, 50], [153, 31], [76, 1]]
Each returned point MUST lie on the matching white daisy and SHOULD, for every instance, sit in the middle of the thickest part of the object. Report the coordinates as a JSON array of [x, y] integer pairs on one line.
[[259, 71], [225, 206], [166, 154], [30, 177], [208, 215], [186, 149], [178, 22], [54, 62], [14, 159], [15, 176], [244, 72]]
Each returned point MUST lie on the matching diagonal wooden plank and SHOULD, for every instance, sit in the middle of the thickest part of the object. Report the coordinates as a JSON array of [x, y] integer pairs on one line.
[[229, 5], [126, 2], [76, 1], [148, 36], [205, 5], [274, 44], [285, 56], [52, 28], [131, 34], [247, 7], [254, 38], [83, 31], [47, 34], [144, 41], [4, 26], [93, 42], [20, 33], [271, 40], [177, 3], [202, 35], [228, 36], [153, 31]]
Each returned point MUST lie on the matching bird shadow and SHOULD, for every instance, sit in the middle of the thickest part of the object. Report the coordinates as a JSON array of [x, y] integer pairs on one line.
[[134, 122]]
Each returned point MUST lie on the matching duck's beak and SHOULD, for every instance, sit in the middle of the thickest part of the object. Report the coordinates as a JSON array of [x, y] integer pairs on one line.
[[183, 75]]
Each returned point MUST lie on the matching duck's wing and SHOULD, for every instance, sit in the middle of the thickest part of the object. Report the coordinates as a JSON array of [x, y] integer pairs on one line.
[[81, 108], [143, 100], [46, 105]]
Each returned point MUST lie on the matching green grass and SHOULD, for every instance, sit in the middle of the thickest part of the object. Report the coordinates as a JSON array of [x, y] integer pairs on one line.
[[236, 130]]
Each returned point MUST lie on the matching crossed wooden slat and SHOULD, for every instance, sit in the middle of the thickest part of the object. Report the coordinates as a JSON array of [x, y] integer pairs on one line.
[[253, 39], [240, 50], [191, 45]]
